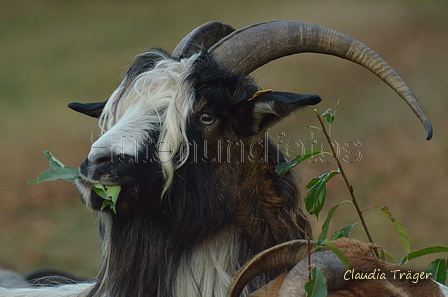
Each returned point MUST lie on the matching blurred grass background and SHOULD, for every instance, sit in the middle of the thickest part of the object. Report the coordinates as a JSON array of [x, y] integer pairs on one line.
[[56, 52]]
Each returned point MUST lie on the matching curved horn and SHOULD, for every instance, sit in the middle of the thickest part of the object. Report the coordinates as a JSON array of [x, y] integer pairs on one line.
[[285, 255], [201, 38], [327, 262], [246, 49]]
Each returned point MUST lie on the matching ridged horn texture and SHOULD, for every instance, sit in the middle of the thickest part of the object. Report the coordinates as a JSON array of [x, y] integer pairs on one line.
[[201, 39], [249, 48], [285, 255]]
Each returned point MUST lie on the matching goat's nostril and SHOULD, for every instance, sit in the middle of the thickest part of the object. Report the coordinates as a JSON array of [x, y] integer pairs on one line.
[[103, 159], [100, 156]]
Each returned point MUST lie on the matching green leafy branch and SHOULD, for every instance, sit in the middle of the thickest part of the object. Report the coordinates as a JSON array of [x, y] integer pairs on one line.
[[70, 174], [315, 200], [57, 171], [330, 119], [317, 285]]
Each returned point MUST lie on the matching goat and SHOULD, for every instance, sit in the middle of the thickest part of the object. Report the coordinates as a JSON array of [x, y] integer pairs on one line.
[[184, 138], [367, 275]]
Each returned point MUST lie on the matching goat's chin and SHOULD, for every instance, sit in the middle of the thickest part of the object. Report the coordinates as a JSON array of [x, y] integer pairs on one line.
[[127, 199], [88, 195]]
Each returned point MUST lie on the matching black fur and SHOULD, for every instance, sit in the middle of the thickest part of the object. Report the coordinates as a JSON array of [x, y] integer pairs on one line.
[[231, 187]]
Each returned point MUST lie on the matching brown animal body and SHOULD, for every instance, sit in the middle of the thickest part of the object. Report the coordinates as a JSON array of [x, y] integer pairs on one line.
[[367, 276]]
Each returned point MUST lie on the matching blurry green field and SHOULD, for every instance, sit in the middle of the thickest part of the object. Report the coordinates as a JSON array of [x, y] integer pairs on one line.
[[56, 52]]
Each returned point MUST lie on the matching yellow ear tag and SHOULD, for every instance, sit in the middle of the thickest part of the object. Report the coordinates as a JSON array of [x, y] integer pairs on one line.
[[259, 93]]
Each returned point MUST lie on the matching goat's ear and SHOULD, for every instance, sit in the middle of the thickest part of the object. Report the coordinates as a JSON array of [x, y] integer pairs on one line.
[[271, 107], [90, 109]]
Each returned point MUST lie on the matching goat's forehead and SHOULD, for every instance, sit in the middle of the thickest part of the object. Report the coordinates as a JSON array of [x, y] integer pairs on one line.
[[177, 83], [153, 91], [149, 113], [154, 105]]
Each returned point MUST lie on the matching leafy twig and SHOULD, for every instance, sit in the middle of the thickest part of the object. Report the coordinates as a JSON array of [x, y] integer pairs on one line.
[[59, 171], [347, 183]]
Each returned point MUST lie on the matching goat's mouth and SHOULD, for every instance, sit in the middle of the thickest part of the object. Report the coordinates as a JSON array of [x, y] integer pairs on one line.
[[129, 177], [104, 180], [106, 173], [100, 187], [97, 195]]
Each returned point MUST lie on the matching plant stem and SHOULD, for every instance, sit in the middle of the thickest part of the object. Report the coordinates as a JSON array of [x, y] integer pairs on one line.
[[347, 183], [309, 258]]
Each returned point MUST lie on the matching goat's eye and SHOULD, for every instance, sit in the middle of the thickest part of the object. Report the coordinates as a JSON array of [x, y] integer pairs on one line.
[[207, 119]]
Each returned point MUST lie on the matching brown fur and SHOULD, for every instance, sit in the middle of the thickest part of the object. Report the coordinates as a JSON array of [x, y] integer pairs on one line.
[[268, 210], [267, 206], [272, 289], [362, 260]]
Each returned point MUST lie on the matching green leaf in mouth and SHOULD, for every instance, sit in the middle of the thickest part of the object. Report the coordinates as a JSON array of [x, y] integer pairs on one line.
[[59, 171], [109, 194]]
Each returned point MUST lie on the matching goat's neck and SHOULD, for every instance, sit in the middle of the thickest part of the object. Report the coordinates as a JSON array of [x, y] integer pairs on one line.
[[208, 269], [135, 260], [143, 263]]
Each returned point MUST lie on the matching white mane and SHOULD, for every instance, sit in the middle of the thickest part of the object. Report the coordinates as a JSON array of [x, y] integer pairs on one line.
[[159, 99]]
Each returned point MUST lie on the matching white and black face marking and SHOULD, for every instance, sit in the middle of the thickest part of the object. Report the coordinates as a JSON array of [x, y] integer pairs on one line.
[[144, 122]]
